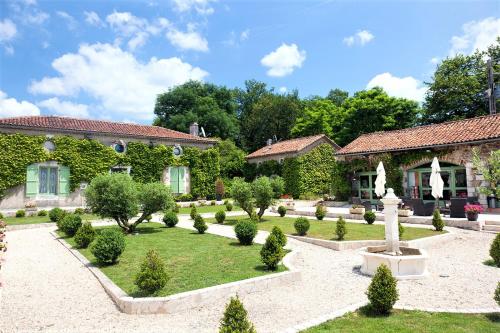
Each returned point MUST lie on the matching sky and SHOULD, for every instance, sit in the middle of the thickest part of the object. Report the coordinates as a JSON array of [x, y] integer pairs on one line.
[[110, 59]]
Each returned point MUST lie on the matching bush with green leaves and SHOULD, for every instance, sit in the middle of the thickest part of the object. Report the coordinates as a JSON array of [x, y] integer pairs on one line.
[[369, 217], [302, 225], [497, 294], [220, 216], [191, 205], [70, 224], [437, 221], [245, 230], [43, 212], [272, 252], [152, 275], [56, 214], [401, 230], [340, 228], [235, 319], [495, 250], [282, 211], [199, 224], [263, 194], [193, 212], [108, 246], [280, 236], [84, 235], [241, 192], [320, 212], [170, 219], [229, 206], [278, 186], [176, 208], [21, 213], [382, 292], [1, 216], [79, 211]]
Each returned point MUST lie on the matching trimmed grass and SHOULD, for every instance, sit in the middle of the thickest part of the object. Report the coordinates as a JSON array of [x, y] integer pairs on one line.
[[326, 229], [208, 209], [193, 261], [410, 322], [41, 219]]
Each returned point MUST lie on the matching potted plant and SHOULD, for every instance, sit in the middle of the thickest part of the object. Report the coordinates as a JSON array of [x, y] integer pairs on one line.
[[473, 211], [490, 170], [219, 189], [357, 209], [287, 201], [30, 207]]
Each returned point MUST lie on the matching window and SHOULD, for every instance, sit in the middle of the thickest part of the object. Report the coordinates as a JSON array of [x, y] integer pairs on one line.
[[177, 151], [119, 148], [177, 180], [454, 179], [47, 179], [366, 189], [120, 169]]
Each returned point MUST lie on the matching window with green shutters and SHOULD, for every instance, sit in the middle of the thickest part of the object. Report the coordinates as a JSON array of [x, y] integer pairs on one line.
[[177, 180], [47, 179]]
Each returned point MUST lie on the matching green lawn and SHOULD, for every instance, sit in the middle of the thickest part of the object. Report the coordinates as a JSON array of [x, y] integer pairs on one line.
[[193, 261], [40, 219], [410, 322], [208, 209], [326, 229]]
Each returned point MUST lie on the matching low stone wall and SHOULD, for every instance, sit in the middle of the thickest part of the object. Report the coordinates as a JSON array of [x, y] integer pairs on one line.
[[189, 299]]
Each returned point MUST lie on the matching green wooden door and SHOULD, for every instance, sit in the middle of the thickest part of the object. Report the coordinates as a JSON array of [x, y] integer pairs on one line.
[[174, 179], [181, 179]]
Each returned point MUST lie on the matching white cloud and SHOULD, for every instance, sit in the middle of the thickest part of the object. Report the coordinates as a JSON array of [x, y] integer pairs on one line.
[[360, 38], [10, 107], [36, 18], [189, 40], [284, 60], [406, 87], [8, 30], [70, 20], [93, 18], [27, 12], [64, 108], [244, 35], [477, 35], [122, 85], [282, 90], [202, 7], [434, 60], [235, 40]]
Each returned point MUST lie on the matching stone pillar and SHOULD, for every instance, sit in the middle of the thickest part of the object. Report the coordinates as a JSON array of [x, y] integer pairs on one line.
[[391, 202]]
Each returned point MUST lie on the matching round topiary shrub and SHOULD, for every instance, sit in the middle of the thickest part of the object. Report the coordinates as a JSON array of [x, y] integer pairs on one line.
[[245, 230], [193, 213], [79, 211], [382, 292], [302, 225], [401, 230], [70, 224], [272, 252], [495, 250], [229, 206], [340, 228], [220, 216], [56, 214], [235, 318], [153, 273], [280, 236], [369, 217], [282, 211], [199, 224], [42, 213], [21, 213], [320, 212], [108, 246], [497, 294], [170, 219], [84, 235], [437, 221]]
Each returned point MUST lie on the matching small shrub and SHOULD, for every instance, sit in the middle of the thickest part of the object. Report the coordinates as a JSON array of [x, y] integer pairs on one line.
[[43, 212], [320, 212], [220, 216], [437, 221], [184, 197], [226, 202], [280, 236], [176, 208], [84, 235], [212, 203], [229, 206], [56, 214], [401, 230], [282, 211], [79, 211], [191, 205], [153, 273], [199, 224], [70, 224], [340, 228], [21, 213], [497, 294], [495, 250], [301, 225], [193, 212], [383, 292], [170, 219], [272, 252], [235, 319], [108, 246], [1, 216], [369, 217], [245, 230]]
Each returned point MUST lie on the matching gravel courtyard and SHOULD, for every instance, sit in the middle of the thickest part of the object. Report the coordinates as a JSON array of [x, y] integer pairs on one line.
[[46, 289]]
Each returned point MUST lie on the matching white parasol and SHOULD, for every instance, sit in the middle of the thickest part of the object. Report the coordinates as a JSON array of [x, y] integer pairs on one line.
[[436, 182], [380, 181]]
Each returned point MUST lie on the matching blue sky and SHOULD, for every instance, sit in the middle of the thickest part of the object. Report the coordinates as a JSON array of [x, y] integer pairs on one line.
[[109, 59]]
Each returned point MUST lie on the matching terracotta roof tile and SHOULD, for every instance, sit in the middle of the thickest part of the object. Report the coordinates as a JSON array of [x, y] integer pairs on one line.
[[98, 126], [453, 132]]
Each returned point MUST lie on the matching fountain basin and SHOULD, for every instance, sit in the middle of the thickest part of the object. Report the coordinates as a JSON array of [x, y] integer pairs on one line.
[[410, 265]]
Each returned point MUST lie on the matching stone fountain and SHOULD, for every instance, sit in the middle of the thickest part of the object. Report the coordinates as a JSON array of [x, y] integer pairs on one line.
[[404, 262]]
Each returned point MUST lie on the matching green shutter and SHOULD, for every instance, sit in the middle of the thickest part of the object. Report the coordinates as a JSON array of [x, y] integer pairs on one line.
[[32, 180], [63, 180], [181, 180], [174, 179]]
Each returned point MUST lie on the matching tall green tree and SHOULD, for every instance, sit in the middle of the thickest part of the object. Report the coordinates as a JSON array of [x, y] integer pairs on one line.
[[320, 116], [232, 159], [337, 96]]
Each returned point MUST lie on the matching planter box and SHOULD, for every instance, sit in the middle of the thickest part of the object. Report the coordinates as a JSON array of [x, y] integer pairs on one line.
[[288, 203], [357, 211], [404, 212]]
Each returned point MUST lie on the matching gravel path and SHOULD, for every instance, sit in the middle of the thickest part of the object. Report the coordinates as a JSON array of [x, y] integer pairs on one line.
[[47, 289]]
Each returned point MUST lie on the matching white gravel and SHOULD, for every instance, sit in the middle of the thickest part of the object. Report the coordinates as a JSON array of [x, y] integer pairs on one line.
[[47, 289]]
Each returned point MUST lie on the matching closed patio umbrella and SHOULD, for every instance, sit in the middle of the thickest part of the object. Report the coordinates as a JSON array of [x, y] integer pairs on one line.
[[380, 181], [436, 182]]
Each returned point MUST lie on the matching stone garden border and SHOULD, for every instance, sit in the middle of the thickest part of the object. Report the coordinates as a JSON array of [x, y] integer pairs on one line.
[[188, 299]]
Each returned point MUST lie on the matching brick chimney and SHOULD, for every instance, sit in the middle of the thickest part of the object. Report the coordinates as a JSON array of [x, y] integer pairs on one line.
[[194, 129]]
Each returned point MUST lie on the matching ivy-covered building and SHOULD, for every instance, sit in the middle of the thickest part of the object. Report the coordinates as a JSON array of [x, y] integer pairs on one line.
[[49, 160], [407, 155]]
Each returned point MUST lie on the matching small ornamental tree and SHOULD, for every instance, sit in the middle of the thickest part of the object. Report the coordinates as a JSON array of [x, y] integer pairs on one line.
[[369, 217], [497, 294], [340, 228], [170, 219], [263, 194], [382, 292], [245, 231], [108, 246], [301, 225], [241, 192], [220, 216], [272, 252], [193, 212], [401, 230], [153, 274], [282, 211], [437, 221], [219, 189], [495, 250], [84, 235], [320, 212], [280, 236], [199, 224], [235, 319]]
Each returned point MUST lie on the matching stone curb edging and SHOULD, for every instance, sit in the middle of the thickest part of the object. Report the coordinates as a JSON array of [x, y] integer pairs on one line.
[[449, 310], [189, 299], [30, 226]]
